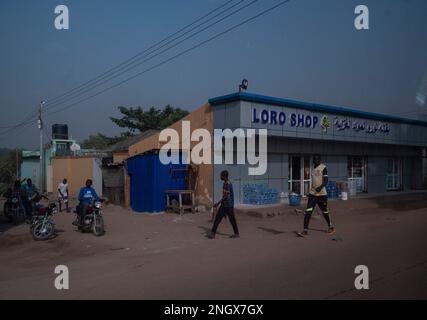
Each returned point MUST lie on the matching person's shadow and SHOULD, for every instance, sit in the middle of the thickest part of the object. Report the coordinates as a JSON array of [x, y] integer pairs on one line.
[[208, 230], [273, 231], [6, 224]]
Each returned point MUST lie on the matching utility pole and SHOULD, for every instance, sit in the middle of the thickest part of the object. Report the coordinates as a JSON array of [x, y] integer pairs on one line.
[[40, 124]]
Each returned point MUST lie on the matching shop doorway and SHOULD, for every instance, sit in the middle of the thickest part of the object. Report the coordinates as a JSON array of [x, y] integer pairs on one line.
[[394, 174], [356, 168], [300, 174]]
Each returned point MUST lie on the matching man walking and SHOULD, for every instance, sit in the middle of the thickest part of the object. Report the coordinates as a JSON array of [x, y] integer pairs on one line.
[[63, 195], [226, 208], [317, 196]]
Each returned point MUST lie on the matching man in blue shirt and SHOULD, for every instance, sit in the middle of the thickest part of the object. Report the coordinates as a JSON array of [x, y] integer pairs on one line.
[[29, 188], [227, 207], [86, 196], [31, 191]]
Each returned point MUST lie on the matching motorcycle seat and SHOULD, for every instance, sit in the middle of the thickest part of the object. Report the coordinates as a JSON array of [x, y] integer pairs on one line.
[[40, 211]]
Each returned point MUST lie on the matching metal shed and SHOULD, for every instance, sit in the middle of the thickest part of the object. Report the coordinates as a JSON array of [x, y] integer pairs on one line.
[[149, 179]]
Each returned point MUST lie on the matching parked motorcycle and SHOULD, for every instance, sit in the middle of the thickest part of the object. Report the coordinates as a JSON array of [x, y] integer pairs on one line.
[[93, 220], [13, 208], [42, 224]]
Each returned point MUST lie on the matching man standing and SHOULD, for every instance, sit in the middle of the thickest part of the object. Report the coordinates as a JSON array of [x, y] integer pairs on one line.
[[227, 207], [19, 191], [31, 191], [63, 195], [317, 196]]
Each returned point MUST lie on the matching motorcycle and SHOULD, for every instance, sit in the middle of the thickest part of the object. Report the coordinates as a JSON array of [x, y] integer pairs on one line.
[[93, 220], [13, 208], [42, 226]]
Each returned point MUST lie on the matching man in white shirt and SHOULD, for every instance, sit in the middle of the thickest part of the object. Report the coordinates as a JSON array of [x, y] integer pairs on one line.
[[63, 195]]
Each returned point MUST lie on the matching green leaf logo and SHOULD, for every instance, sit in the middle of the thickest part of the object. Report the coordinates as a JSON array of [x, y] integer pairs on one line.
[[325, 123]]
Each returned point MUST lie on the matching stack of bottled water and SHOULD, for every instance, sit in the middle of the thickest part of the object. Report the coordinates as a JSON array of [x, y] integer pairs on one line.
[[259, 194], [332, 190]]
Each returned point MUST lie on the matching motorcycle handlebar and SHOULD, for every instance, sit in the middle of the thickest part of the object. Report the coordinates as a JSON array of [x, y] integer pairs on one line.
[[37, 195]]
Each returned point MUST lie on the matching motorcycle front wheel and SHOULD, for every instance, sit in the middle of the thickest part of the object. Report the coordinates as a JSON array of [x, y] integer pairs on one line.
[[98, 227], [42, 232]]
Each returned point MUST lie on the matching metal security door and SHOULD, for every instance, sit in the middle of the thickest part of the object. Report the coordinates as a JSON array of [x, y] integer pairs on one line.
[[394, 174], [300, 174]]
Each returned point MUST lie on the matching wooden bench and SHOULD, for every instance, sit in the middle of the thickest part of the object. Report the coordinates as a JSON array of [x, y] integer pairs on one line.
[[180, 207]]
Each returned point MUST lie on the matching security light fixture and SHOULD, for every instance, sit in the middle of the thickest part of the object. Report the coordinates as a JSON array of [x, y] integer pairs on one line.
[[243, 85]]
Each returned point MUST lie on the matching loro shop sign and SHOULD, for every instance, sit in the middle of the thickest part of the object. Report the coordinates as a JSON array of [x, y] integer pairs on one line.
[[273, 117], [302, 120]]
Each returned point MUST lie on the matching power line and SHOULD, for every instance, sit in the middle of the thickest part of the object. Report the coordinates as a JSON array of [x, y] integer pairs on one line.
[[22, 126], [30, 119], [33, 116], [175, 56], [129, 66], [142, 52], [17, 126], [119, 67], [26, 119]]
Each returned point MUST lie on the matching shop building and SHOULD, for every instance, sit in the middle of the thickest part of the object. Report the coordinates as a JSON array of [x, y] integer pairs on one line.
[[373, 153]]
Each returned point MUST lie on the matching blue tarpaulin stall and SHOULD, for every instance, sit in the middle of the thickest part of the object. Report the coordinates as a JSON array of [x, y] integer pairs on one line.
[[149, 179]]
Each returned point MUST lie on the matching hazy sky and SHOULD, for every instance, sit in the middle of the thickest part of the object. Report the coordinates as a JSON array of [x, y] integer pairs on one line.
[[307, 50]]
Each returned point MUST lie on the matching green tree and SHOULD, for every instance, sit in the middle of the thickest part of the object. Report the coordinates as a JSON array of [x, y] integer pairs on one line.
[[100, 141], [7, 168], [136, 119]]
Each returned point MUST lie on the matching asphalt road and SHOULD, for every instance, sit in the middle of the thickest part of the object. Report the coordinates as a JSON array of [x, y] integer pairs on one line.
[[168, 257]]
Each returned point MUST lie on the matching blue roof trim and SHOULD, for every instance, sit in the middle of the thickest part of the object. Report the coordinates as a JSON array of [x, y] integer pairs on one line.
[[250, 97]]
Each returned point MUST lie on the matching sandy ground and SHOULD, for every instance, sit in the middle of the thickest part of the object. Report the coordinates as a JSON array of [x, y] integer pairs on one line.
[[168, 257]]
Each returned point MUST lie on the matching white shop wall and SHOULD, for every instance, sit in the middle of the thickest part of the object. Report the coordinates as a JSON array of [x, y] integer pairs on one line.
[[334, 145], [334, 155]]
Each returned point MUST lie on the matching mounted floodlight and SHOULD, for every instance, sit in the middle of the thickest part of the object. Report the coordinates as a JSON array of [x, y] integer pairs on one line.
[[243, 85]]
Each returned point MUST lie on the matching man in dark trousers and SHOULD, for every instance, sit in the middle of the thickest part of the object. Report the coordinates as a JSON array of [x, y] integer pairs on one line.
[[86, 196], [226, 208], [317, 196]]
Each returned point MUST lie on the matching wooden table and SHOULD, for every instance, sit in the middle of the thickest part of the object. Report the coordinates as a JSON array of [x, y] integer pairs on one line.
[[180, 207]]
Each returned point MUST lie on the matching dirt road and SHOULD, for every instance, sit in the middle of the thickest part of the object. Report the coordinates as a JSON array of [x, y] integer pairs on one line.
[[167, 256]]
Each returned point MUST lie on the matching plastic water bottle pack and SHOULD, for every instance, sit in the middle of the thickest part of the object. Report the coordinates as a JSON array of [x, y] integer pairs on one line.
[[332, 190], [258, 194]]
